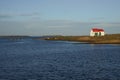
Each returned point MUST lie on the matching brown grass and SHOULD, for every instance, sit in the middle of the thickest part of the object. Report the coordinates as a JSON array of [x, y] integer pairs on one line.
[[111, 38]]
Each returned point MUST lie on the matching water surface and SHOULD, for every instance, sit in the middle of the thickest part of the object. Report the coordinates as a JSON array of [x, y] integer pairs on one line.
[[58, 60]]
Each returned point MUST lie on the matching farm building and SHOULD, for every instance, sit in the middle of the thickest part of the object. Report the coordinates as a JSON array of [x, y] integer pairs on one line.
[[97, 32]]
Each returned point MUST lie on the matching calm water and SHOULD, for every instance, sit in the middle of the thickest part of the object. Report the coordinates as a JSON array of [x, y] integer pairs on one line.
[[58, 60]]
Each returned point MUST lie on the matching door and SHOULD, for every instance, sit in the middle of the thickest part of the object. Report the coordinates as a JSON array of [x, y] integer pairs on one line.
[[99, 33], [96, 34]]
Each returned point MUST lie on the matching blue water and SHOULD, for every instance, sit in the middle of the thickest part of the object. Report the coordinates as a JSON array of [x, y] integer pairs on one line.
[[58, 60]]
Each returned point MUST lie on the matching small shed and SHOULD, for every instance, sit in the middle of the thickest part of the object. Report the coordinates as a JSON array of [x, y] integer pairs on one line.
[[97, 32]]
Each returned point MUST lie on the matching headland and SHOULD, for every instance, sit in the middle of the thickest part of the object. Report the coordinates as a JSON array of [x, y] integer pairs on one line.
[[107, 39]]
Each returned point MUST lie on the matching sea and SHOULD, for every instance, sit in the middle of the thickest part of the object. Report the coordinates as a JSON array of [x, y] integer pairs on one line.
[[30, 59]]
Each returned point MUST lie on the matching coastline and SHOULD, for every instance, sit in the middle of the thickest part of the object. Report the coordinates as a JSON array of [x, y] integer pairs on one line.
[[107, 39]]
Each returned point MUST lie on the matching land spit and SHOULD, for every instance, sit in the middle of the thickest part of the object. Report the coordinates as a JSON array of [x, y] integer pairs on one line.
[[107, 39]]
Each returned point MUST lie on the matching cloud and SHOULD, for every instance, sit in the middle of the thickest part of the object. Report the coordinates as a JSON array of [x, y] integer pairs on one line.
[[2, 16], [24, 15], [30, 14], [97, 19], [54, 27], [69, 27], [12, 28], [108, 24], [60, 23]]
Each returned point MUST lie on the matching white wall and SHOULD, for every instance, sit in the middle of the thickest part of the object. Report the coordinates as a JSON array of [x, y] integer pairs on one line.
[[93, 33], [102, 33]]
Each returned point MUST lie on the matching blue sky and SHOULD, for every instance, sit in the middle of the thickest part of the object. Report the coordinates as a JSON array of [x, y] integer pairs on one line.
[[58, 17]]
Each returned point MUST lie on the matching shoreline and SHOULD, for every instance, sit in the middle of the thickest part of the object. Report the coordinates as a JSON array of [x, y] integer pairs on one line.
[[107, 39]]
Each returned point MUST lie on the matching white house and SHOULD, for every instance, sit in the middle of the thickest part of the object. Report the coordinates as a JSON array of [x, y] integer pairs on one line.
[[97, 32]]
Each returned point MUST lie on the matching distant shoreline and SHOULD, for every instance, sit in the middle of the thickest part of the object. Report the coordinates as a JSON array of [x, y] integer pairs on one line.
[[107, 39]]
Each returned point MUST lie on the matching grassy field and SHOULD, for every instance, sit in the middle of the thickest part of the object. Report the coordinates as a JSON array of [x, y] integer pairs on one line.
[[107, 39]]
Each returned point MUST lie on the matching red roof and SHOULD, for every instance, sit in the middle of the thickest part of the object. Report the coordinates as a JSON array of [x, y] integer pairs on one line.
[[97, 30]]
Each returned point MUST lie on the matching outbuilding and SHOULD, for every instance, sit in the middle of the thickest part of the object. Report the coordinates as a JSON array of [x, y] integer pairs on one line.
[[97, 32]]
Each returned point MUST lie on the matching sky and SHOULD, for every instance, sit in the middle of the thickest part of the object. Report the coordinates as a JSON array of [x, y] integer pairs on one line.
[[58, 17]]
